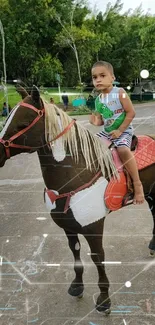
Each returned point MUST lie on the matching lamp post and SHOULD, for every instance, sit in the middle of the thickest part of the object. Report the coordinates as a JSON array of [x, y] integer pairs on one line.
[[144, 74], [58, 79]]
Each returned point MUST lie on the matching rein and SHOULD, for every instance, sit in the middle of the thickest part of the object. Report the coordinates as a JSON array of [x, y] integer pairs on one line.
[[9, 143]]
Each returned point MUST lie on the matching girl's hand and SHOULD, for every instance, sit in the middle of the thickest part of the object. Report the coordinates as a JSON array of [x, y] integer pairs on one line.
[[115, 134], [96, 119]]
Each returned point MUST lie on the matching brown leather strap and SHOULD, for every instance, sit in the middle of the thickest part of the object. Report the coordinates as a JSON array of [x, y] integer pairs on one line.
[[55, 197], [9, 143]]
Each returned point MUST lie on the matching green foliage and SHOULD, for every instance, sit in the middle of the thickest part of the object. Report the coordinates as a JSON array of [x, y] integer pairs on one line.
[[45, 69], [45, 37]]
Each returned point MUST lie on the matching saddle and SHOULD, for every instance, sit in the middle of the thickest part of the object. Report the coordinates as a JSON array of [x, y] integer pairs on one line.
[[118, 192]]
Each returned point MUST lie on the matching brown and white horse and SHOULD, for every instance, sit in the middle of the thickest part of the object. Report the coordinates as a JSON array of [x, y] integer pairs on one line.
[[76, 203]]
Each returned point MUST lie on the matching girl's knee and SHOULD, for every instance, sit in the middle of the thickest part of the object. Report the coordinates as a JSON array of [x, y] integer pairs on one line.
[[123, 149], [124, 152]]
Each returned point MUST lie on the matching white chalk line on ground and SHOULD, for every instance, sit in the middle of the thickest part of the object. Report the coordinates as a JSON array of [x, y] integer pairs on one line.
[[21, 181]]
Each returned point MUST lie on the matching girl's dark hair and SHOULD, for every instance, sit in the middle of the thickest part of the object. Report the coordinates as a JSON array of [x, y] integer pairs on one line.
[[104, 64]]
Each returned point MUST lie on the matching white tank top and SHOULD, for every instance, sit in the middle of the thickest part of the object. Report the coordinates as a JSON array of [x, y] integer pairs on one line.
[[112, 101]]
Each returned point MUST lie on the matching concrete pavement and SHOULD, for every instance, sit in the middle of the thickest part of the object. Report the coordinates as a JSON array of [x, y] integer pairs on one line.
[[36, 264]]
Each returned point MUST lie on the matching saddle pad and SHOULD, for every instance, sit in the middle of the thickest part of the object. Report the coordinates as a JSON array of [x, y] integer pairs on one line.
[[117, 189], [115, 192], [145, 152]]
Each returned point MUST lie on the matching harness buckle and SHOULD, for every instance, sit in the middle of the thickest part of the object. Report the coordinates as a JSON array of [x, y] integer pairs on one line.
[[7, 144], [40, 113], [72, 193]]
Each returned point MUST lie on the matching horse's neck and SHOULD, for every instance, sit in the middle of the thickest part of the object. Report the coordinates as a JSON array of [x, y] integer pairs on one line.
[[63, 176]]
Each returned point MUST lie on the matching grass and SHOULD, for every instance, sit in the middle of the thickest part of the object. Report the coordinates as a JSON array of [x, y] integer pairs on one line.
[[46, 93], [13, 97], [53, 92]]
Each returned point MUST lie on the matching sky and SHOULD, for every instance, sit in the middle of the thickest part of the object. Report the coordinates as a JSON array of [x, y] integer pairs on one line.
[[146, 4]]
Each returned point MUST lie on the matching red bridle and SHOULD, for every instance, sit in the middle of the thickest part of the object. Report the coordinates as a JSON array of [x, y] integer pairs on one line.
[[9, 143]]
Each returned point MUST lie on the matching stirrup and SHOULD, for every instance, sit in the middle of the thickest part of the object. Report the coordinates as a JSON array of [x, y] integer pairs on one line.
[[128, 199]]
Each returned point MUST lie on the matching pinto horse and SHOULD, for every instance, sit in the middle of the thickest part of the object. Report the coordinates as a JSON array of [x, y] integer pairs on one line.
[[73, 195]]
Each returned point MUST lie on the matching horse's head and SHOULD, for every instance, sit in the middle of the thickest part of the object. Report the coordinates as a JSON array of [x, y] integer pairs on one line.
[[24, 129]]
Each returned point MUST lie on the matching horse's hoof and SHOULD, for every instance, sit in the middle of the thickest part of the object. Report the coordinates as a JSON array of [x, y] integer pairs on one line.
[[107, 312], [104, 309], [152, 245], [76, 291], [152, 253], [80, 296]]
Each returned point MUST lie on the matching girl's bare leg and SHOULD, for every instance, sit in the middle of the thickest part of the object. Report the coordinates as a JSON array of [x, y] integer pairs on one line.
[[129, 162]]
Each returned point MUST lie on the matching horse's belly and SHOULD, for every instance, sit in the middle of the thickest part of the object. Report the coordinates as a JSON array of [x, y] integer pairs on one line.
[[88, 205]]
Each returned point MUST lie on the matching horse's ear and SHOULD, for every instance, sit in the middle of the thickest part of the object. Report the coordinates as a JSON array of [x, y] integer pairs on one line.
[[21, 91], [35, 94], [25, 86]]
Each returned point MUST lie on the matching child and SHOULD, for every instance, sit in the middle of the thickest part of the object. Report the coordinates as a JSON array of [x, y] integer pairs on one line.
[[65, 101], [114, 108], [4, 109], [51, 100]]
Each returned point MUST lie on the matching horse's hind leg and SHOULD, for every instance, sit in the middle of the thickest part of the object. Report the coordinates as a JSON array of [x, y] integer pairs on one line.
[[94, 239], [151, 202], [76, 288]]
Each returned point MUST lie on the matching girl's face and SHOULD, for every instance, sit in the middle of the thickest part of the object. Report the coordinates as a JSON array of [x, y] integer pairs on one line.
[[102, 78]]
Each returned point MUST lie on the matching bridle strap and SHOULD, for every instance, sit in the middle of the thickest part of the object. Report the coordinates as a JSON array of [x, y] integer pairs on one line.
[[30, 106], [9, 143], [28, 127], [68, 127]]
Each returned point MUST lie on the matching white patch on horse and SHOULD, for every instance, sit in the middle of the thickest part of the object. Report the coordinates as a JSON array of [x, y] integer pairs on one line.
[[77, 246], [49, 205], [58, 148], [13, 112], [88, 205]]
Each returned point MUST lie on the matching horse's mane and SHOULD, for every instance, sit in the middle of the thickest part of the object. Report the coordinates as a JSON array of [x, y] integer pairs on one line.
[[95, 153]]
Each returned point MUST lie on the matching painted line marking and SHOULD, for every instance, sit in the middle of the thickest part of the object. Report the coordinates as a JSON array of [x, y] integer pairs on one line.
[[112, 262], [33, 321], [52, 264], [121, 311], [128, 307], [20, 181], [9, 308], [10, 263]]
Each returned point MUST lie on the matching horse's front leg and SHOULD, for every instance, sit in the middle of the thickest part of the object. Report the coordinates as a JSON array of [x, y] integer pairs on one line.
[[151, 202], [94, 240], [76, 288]]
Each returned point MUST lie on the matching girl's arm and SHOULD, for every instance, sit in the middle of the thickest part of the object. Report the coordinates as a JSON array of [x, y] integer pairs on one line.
[[128, 108]]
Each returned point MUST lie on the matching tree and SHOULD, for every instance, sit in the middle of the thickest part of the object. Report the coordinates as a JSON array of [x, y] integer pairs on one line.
[[45, 69], [70, 32], [42, 36]]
